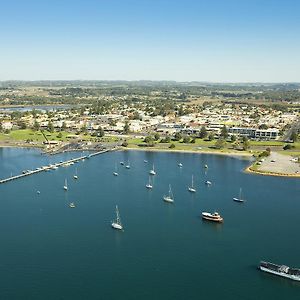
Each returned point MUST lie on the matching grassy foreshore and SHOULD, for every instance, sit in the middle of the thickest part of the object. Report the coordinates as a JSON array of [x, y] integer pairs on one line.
[[34, 139]]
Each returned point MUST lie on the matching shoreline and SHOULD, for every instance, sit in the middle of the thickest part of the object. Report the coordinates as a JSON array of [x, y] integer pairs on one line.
[[266, 173], [245, 155], [248, 156]]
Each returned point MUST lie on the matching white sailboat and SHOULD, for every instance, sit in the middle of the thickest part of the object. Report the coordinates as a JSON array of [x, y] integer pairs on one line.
[[149, 185], [239, 199], [116, 224], [66, 185], [76, 175], [128, 165], [169, 198], [152, 172], [115, 173], [191, 188]]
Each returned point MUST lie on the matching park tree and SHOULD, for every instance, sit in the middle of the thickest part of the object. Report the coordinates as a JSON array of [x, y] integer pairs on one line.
[[233, 138], [50, 127], [220, 143], [246, 143], [294, 136], [186, 139], [36, 126], [100, 132], [126, 127], [177, 136], [203, 133], [224, 132], [156, 136], [63, 126], [211, 137]]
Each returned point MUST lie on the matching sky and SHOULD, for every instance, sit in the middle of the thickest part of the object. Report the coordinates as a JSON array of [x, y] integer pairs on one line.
[[190, 40]]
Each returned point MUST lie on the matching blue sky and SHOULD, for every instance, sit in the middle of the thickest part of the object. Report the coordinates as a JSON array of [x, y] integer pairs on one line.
[[215, 40]]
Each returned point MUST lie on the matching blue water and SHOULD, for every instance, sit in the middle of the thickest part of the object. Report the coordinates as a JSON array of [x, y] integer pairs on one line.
[[49, 251]]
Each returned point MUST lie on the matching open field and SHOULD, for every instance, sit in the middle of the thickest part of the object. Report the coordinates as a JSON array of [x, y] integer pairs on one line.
[[37, 136]]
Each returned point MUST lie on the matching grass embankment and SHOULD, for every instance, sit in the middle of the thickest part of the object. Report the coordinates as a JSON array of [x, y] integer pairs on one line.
[[37, 136], [200, 145]]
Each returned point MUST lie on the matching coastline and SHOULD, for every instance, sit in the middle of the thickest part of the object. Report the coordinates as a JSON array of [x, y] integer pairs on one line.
[[265, 173], [246, 155]]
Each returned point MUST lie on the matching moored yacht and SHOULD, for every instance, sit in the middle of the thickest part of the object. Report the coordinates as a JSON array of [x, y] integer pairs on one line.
[[215, 217], [169, 198], [191, 188], [116, 224]]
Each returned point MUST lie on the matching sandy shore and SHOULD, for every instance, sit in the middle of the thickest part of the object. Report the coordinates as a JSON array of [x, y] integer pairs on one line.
[[242, 154]]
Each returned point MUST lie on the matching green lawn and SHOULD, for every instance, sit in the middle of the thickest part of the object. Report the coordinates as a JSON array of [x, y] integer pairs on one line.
[[37, 136]]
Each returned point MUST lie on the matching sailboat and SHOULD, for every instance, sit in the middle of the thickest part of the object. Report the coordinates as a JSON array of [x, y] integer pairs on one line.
[[152, 172], [191, 188], [116, 224], [239, 199], [128, 165], [66, 185], [75, 176], [149, 185], [169, 197], [115, 173]]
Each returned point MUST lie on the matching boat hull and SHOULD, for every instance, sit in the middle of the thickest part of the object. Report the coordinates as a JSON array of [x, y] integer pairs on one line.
[[168, 199], [116, 226], [209, 217], [292, 277]]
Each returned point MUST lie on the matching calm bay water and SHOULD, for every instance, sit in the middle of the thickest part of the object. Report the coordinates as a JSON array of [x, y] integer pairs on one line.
[[49, 251]]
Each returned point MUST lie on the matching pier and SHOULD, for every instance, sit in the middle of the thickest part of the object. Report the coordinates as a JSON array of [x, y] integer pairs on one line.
[[54, 166]]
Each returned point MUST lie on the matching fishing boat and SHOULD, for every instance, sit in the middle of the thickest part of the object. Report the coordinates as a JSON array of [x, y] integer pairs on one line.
[[192, 188], [122, 163], [116, 224], [207, 182], [206, 166], [169, 198], [128, 165], [38, 192], [239, 199], [66, 185], [152, 172], [149, 184], [76, 175], [145, 161], [72, 205], [214, 217], [180, 165], [115, 173]]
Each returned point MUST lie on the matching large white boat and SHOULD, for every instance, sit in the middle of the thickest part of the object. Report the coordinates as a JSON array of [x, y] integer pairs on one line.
[[66, 185], [116, 224], [169, 198], [239, 199], [192, 188], [280, 270], [152, 172], [215, 217]]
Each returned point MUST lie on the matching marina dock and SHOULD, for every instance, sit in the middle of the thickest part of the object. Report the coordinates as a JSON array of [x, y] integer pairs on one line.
[[54, 166]]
